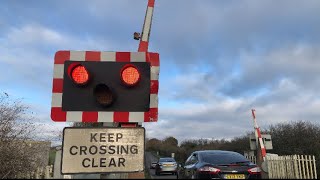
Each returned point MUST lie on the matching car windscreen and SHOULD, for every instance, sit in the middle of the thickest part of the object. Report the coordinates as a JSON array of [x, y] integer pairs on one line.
[[223, 158], [166, 160]]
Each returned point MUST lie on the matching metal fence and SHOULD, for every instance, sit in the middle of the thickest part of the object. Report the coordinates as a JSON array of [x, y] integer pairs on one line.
[[292, 167]]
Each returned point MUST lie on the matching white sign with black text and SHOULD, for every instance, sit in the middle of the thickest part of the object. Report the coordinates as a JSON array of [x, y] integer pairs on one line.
[[101, 150]]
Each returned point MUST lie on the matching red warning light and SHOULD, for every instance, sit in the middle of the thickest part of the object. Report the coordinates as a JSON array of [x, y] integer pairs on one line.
[[80, 75], [130, 75]]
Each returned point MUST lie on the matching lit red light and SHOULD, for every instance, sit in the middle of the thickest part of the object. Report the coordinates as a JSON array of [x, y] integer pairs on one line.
[[130, 75], [80, 75]]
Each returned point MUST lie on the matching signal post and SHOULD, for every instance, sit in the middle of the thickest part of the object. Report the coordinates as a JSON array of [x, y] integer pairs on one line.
[[118, 89]]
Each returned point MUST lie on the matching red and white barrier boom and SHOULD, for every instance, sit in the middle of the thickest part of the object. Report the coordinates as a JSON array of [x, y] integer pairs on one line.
[[259, 140], [144, 40]]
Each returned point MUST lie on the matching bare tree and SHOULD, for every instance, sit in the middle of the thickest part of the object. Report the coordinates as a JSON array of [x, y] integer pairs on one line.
[[17, 152], [300, 137]]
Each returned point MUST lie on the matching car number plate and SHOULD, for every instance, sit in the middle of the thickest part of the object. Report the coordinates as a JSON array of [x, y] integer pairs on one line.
[[234, 176]]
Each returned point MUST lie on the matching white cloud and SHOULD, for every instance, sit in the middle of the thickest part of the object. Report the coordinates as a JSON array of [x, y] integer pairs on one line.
[[34, 34], [228, 120], [28, 52], [206, 31], [287, 100], [37, 35], [296, 61], [261, 55]]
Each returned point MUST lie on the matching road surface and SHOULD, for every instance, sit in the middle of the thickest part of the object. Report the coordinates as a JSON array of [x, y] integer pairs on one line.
[[150, 158]]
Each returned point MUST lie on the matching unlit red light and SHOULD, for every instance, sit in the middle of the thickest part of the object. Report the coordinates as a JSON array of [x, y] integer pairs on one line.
[[130, 75], [103, 94], [80, 75]]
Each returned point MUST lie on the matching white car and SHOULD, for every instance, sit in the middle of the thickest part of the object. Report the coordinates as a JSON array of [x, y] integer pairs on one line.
[[166, 165]]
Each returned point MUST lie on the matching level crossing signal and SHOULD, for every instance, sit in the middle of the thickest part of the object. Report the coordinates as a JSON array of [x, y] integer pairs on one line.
[[99, 86]]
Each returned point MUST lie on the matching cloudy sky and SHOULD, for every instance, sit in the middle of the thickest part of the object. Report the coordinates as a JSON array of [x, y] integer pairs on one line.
[[219, 59]]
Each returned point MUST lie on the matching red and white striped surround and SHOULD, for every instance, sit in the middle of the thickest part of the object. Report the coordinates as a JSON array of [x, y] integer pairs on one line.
[[259, 136], [58, 115]]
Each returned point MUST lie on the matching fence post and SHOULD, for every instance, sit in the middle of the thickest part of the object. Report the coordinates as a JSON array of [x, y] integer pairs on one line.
[[283, 167], [295, 164], [279, 164], [307, 166], [277, 169], [300, 165], [272, 167], [284, 162], [311, 170], [315, 167], [288, 166], [269, 167], [292, 166], [289, 169], [303, 167]]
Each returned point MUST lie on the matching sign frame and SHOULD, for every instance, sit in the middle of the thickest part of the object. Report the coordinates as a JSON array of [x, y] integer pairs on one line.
[[62, 150], [59, 115]]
